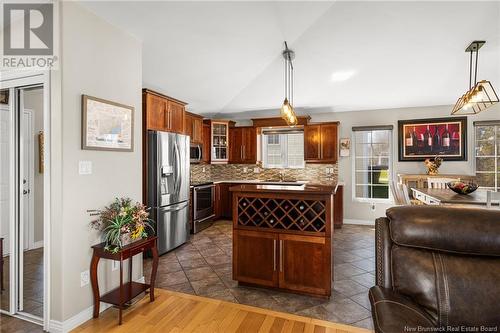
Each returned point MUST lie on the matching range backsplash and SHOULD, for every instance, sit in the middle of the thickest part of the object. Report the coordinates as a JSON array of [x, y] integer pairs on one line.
[[314, 173]]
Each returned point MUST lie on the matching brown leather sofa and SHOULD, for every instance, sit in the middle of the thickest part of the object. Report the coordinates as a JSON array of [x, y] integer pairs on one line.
[[438, 270]]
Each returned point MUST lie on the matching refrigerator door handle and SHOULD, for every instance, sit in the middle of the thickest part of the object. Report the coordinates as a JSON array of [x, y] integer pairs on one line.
[[176, 207], [177, 168]]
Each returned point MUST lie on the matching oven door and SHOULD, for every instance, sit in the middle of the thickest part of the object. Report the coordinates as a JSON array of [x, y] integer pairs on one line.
[[195, 153], [203, 203]]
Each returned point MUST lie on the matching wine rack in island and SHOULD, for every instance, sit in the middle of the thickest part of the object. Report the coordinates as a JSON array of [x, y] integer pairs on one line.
[[282, 237]]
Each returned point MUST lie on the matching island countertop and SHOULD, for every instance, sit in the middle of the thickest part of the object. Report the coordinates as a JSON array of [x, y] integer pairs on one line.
[[303, 189]]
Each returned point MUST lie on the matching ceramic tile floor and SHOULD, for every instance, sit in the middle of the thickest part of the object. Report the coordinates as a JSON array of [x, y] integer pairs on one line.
[[33, 283], [203, 267]]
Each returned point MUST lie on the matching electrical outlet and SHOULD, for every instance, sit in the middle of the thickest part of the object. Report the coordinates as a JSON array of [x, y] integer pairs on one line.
[[256, 170], [203, 169], [84, 278], [115, 265], [245, 169]]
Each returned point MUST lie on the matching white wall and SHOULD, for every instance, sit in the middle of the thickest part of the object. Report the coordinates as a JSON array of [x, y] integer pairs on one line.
[[99, 60], [362, 211]]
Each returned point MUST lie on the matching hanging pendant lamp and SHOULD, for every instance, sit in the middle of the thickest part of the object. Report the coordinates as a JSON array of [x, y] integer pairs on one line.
[[481, 95], [287, 112]]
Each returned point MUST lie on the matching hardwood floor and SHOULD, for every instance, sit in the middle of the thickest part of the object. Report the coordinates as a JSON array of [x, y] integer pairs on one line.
[[177, 312]]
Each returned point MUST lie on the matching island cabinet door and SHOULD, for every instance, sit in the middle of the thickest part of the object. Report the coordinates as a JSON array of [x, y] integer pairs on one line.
[[305, 264], [255, 257]]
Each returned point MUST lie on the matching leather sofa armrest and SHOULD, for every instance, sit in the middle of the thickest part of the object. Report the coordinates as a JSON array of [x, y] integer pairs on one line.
[[392, 312], [383, 244]]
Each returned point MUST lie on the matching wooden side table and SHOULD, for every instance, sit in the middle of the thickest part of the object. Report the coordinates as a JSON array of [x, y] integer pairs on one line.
[[126, 291]]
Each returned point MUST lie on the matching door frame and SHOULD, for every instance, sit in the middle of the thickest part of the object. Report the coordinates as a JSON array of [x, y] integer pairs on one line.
[[13, 79]]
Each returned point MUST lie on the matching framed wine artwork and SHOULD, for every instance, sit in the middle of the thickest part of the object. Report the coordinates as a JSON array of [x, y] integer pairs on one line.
[[423, 138]]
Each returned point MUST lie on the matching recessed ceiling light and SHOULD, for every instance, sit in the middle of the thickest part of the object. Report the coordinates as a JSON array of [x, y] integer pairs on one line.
[[342, 75]]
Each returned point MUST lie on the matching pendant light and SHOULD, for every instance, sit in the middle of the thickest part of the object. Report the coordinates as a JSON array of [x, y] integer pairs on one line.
[[481, 95], [287, 112]]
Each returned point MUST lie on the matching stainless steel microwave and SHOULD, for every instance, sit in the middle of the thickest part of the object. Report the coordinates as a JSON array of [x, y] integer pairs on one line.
[[195, 153]]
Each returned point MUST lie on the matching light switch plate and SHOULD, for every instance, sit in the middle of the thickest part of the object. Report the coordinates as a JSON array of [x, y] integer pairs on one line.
[[85, 167], [84, 278]]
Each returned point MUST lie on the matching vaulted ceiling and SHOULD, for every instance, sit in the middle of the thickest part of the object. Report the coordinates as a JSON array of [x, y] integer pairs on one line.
[[225, 57]]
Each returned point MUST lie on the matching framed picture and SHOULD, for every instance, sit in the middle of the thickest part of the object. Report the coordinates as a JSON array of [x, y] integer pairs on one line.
[[345, 147], [423, 138], [106, 125]]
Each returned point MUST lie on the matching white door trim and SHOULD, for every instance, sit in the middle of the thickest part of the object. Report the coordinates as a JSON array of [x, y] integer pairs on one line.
[[12, 80]]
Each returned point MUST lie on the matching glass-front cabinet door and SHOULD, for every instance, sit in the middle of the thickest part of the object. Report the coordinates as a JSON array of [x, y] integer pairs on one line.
[[220, 134]]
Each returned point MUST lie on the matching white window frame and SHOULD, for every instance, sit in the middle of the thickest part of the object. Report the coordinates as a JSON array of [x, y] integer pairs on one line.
[[284, 153], [496, 156], [390, 165]]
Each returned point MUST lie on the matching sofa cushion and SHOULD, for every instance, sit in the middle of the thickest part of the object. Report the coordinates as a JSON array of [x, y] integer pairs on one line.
[[453, 289], [459, 230]]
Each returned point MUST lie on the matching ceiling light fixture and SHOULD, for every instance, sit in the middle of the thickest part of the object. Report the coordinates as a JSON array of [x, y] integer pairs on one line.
[[342, 75], [481, 95], [287, 112]]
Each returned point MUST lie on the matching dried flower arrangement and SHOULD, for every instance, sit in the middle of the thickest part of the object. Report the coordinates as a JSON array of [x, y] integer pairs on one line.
[[121, 220]]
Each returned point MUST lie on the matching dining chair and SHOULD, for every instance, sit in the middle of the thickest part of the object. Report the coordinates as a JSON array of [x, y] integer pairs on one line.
[[400, 193], [440, 183], [492, 196]]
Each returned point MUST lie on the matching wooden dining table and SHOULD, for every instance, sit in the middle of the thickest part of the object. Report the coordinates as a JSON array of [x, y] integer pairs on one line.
[[433, 196]]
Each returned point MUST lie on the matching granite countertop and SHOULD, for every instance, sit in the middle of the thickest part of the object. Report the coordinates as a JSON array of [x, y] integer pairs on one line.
[[306, 188]]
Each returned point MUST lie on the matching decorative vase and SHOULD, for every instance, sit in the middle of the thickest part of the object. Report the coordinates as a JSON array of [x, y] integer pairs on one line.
[[126, 239]]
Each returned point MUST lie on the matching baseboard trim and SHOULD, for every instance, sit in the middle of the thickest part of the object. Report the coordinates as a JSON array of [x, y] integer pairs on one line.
[[359, 222], [37, 245], [78, 319]]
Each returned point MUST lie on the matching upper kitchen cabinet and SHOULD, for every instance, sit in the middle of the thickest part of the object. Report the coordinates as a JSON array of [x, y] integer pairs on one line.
[[243, 145], [162, 113], [320, 143], [207, 142], [193, 126], [219, 141]]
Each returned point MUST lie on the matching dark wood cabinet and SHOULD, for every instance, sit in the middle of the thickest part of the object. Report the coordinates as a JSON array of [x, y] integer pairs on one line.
[[243, 145], [226, 201], [193, 127], [304, 264], [206, 142], [175, 117], [295, 241], [320, 143], [255, 257], [223, 201], [154, 107], [218, 201], [162, 113]]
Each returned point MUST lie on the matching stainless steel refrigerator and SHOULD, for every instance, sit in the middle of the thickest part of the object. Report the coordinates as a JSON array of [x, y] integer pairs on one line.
[[168, 187]]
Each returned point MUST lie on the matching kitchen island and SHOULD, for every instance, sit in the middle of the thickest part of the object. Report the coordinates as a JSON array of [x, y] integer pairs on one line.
[[282, 237]]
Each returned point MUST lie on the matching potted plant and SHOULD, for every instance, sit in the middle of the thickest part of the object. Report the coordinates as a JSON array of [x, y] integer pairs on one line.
[[122, 222]]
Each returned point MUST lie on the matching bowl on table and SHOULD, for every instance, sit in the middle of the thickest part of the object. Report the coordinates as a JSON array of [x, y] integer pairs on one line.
[[461, 187]]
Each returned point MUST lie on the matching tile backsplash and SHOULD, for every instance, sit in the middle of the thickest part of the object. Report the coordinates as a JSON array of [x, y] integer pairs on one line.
[[314, 173]]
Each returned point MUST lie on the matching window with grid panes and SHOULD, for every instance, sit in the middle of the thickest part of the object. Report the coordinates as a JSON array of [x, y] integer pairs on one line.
[[283, 150], [372, 163], [487, 154]]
